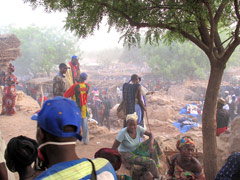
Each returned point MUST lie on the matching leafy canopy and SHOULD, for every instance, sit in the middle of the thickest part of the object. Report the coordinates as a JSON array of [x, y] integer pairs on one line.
[[42, 49]]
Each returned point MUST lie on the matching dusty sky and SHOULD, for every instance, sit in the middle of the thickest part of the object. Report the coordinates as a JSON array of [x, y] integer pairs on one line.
[[17, 13]]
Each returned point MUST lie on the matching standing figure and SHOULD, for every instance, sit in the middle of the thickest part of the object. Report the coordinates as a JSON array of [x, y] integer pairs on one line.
[[79, 93], [73, 73], [9, 92], [222, 117], [107, 106], [59, 84], [133, 98]]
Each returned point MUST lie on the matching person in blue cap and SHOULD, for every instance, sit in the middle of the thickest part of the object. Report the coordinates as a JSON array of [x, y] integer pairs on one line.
[[79, 93], [73, 73], [58, 128]]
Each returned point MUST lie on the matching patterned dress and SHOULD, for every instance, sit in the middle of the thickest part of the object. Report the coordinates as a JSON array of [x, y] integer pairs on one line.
[[231, 170], [9, 95], [175, 172]]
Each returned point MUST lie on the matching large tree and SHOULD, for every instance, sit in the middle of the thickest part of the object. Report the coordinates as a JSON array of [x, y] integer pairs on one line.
[[199, 21]]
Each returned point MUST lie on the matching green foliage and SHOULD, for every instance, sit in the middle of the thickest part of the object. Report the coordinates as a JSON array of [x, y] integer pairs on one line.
[[158, 16], [176, 62], [42, 49]]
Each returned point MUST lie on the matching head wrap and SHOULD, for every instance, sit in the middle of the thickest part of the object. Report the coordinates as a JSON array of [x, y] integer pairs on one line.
[[183, 141], [11, 67], [111, 155], [133, 117]]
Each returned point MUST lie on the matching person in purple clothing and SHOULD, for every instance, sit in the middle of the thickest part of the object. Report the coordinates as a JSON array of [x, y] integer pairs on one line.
[[231, 170]]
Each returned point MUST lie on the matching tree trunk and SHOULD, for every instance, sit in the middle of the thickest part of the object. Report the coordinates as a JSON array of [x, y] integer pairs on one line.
[[209, 121]]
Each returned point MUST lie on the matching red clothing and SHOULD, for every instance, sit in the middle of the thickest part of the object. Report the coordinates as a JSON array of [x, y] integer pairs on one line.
[[74, 70], [221, 130], [9, 95], [40, 99]]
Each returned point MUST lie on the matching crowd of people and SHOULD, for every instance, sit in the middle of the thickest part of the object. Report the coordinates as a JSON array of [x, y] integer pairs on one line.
[[63, 120]]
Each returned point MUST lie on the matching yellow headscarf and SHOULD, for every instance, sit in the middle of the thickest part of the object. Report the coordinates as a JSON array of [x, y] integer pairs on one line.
[[133, 117]]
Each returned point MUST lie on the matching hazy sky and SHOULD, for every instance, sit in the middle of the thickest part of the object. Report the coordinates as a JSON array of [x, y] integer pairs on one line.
[[17, 13]]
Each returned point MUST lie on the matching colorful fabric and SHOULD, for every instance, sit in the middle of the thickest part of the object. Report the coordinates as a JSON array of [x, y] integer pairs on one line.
[[191, 109], [231, 170], [141, 156], [183, 141], [125, 177], [79, 169], [9, 94], [79, 93], [128, 144], [175, 172], [59, 85]]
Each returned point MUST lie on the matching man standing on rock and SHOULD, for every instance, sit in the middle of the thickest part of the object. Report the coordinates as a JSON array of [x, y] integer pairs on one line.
[[79, 93], [73, 73], [59, 85]]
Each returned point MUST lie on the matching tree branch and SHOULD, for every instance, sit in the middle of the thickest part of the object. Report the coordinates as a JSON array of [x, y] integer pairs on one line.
[[236, 7], [212, 24], [229, 50], [133, 23], [219, 11]]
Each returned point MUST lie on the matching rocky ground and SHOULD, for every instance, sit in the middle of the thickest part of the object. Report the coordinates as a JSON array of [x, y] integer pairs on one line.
[[162, 107]]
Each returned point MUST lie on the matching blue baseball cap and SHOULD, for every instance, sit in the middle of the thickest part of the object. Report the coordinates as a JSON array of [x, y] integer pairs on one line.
[[74, 57], [57, 113]]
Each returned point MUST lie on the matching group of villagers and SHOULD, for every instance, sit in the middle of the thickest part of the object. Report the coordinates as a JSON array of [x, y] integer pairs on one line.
[[128, 147]]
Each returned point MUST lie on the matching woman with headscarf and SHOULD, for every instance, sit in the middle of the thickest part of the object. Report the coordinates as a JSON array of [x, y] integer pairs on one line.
[[20, 153], [133, 152], [183, 166], [9, 92]]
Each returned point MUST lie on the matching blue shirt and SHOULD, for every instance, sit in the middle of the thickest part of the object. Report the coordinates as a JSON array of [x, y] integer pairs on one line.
[[129, 144], [79, 169]]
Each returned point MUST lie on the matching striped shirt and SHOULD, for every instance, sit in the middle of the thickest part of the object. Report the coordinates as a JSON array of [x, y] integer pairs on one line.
[[80, 169]]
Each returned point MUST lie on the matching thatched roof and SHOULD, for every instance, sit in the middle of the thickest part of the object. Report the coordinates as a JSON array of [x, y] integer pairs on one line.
[[9, 47]]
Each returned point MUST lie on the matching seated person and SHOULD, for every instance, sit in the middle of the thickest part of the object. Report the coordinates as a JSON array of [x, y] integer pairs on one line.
[[20, 153], [183, 166], [231, 170], [133, 152], [59, 123]]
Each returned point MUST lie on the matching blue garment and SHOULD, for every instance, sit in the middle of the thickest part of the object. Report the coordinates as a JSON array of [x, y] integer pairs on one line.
[[231, 170], [79, 169], [85, 134], [138, 110], [185, 124], [129, 144]]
